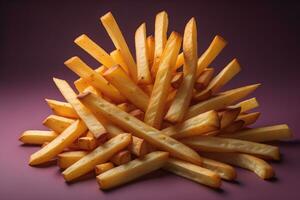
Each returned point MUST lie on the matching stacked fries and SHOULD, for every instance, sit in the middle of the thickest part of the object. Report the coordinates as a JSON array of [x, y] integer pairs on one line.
[[163, 109]]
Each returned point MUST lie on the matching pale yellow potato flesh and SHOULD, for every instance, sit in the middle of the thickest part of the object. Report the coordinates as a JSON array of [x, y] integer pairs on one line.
[[225, 171], [101, 168], [60, 108], [98, 156], [57, 123], [56, 146], [132, 170], [66, 159], [121, 157], [193, 172], [37, 137], [118, 58], [139, 128], [150, 46]]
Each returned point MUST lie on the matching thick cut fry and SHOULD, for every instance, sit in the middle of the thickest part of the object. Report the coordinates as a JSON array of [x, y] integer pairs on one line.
[[142, 60], [57, 145], [220, 80], [118, 58], [37, 137], [218, 144], [225, 171], [177, 80], [132, 170], [150, 46], [198, 125], [263, 134], [87, 143], [94, 78], [193, 172], [62, 108], [92, 90], [184, 94], [99, 169], [204, 79], [94, 50], [81, 84], [87, 117], [162, 84], [138, 114], [257, 165], [179, 61], [57, 123], [121, 157], [220, 101], [210, 54], [127, 87], [249, 118], [66, 159], [247, 105], [114, 32], [138, 128], [228, 116], [127, 107], [98, 156], [160, 34]]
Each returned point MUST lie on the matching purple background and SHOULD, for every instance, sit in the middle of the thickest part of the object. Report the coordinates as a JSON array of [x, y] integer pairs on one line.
[[36, 38]]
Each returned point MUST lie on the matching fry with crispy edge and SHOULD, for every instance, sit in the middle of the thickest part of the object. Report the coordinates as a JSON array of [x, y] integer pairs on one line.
[[184, 94], [234, 126], [93, 78], [249, 118], [114, 32], [101, 168], [118, 58], [179, 61], [177, 80], [142, 60], [67, 137], [150, 46], [138, 114], [138, 128], [220, 101], [98, 156], [155, 111], [121, 157], [252, 163], [228, 116], [116, 76], [57, 123], [87, 116], [218, 144], [204, 78], [66, 159], [37, 137], [193, 172], [88, 142], [132, 170], [127, 107], [247, 105], [225, 171], [263, 134], [60, 108]]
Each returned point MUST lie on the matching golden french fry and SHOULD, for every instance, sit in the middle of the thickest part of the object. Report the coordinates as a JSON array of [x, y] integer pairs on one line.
[[62, 109], [210, 54], [177, 80], [114, 32], [57, 123], [127, 107], [142, 60], [247, 105], [138, 114], [66, 159], [139, 128], [121, 157], [127, 87], [193, 172], [204, 79], [118, 58], [225, 171], [67, 137], [37, 137], [179, 61], [87, 143], [150, 46], [228, 116], [234, 126], [263, 134], [155, 110], [87, 116], [101, 168], [252, 163], [92, 90], [132, 170], [147, 89], [98, 156], [249, 118], [218, 144]]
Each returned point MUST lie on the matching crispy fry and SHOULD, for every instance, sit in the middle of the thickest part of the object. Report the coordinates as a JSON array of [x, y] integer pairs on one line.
[[179, 61], [132, 170], [127, 107], [225, 171], [92, 90], [87, 143], [139, 128], [62, 109], [138, 114], [98, 156], [234, 126], [67, 137], [249, 118], [121, 157], [204, 79], [57, 123], [247, 105], [177, 80], [99, 169], [66, 159], [228, 116], [150, 46], [37, 137], [118, 58]]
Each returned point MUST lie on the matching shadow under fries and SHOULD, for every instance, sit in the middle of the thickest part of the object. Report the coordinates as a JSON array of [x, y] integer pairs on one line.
[[87, 177]]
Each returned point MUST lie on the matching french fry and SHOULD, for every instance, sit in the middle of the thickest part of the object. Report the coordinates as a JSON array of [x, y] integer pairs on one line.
[[139, 128], [37, 137], [252, 163], [92, 90], [177, 80], [98, 156], [94, 79], [179, 61], [118, 58], [138, 114], [218, 144], [62, 109], [142, 60], [150, 46], [127, 87], [204, 79], [57, 123], [198, 125], [67, 137], [99, 169], [127, 107], [132, 170], [220, 80], [221, 101], [147, 89], [249, 118], [247, 105], [94, 50], [210, 54], [114, 32], [87, 143], [121, 157], [193, 172], [234, 126], [263, 134], [66, 159], [228, 116], [155, 110], [225, 171], [184, 93], [87, 116]]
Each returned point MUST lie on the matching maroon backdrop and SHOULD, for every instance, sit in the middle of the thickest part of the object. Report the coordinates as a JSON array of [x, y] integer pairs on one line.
[[37, 37]]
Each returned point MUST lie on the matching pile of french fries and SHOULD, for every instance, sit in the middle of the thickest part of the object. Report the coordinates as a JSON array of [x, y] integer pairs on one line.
[[163, 109]]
